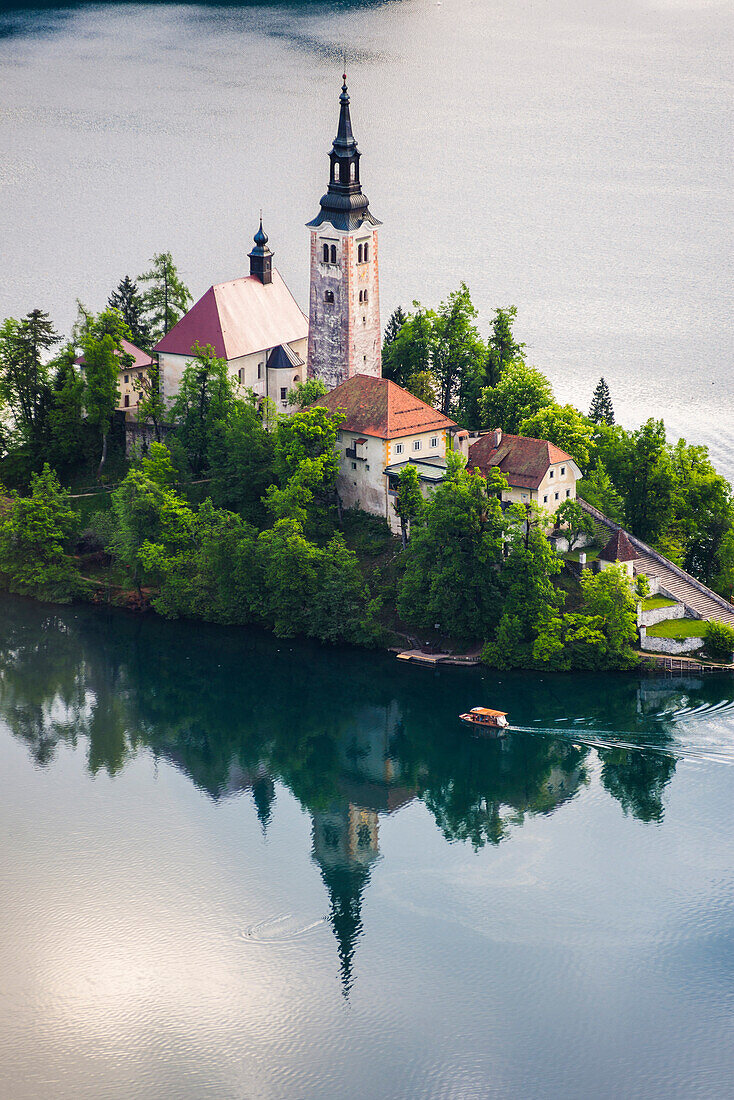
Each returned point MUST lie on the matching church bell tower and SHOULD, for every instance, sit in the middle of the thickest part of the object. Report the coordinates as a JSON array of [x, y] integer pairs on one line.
[[344, 336]]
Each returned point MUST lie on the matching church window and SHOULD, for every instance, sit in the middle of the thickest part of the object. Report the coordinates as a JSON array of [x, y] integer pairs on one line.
[[364, 292], [127, 377], [329, 296], [563, 471], [364, 320], [416, 445], [555, 496], [359, 253], [284, 389], [259, 370], [353, 171], [127, 401], [366, 253], [398, 448], [364, 358], [333, 253], [552, 473], [326, 253], [240, 375]]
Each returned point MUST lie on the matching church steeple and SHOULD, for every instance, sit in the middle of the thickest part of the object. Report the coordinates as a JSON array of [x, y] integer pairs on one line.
[[261, 258], [344, 205]]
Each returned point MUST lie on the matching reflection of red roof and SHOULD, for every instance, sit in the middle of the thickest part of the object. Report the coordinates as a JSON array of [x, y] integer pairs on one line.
[[142, 359], [376, 406], [238, 318], [522, 460], [619, 548]]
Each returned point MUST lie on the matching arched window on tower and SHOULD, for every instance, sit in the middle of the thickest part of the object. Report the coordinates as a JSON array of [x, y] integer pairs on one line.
[[333, 253], [366, 253], [336, 171], [359, 253], [364, 296], [353, 172], [326, 253], [329, 296]]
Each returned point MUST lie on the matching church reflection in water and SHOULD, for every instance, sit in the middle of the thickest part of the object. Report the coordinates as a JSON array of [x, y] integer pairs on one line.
[[352, 737]]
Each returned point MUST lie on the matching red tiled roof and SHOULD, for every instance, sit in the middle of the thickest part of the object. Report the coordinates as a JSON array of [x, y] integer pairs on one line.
[[238, 318], [141, 358], [619, 548], [378, 407], [523, 461]]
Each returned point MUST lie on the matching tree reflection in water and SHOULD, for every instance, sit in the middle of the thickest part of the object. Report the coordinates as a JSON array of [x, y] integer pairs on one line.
[[352, 735]]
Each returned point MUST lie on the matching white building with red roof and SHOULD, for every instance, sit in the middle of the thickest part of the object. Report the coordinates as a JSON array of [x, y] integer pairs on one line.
[[385, 428], [253, 322], [537, 471]]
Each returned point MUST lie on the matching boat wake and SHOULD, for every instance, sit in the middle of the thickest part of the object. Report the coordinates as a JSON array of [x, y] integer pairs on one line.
[[603, 739]]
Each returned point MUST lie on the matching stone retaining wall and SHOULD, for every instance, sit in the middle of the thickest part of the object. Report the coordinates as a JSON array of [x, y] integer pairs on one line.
[[660, 614], [673, 647]]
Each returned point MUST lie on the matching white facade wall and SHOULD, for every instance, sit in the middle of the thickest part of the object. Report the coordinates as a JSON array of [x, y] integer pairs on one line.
[[249, 371]]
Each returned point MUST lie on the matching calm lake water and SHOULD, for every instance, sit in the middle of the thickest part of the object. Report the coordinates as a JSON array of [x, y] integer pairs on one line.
[[241, 868], [574, 159]]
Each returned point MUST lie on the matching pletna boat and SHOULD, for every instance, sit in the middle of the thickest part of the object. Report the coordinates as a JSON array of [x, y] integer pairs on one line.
[[484, 719]]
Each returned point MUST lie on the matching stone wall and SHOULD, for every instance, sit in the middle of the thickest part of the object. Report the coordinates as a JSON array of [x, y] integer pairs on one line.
[[673, 647], [660, 614]]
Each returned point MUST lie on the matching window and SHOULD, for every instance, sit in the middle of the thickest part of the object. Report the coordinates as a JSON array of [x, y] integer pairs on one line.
[[555, 496], [354, 464], [434, 441], [240, 375], [339, 437], [259, 370], [366, 253], [296, 379], [336, 171], [524, 496], [416, 444], [284, 389], [333, 253], [366, 465], [326, 253], [127, 377], [364, 358], [364, 320], [398, 448], [353, 171], [359, 253], [568, 493], [552, 473], [545, 500], [393, 484], [329, 296], [563, 471], [361, 295], [365, 296], [127, 401]]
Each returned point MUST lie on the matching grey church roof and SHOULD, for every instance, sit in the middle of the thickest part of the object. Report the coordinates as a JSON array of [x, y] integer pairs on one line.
[[284, 358]]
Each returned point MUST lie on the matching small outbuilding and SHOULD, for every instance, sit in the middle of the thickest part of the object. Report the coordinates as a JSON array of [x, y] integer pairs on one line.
[[619, 551]]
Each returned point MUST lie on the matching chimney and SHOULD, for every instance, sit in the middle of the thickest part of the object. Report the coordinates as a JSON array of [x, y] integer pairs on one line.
[[496, 437], [462, 443]]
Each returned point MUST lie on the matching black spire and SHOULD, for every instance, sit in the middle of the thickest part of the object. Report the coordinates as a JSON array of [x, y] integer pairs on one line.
[[261, 258], [344, 205]]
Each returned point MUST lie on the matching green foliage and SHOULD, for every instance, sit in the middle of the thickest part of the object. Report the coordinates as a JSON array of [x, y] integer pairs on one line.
[[34, 532], [395, 322], [66, 416], [451, 563], [166, 298], [422, 385], [596, 488], [409, 502], [147, 512], [203, 406], [305, 393], [306, 465], [242, 461], [410, 348], [720, 640], [564, 426], [158, 466], [25, 381], [574, 522], [502, 348], [151, 402], [521, 392], [642, 586], [602, 410], [608, 596], [129, 303]]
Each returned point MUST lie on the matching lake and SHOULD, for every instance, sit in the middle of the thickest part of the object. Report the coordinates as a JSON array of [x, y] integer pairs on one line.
[[235, 867], [572, 159]]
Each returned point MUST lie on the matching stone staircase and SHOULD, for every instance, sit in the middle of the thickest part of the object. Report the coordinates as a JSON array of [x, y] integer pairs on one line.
[[673, 580]]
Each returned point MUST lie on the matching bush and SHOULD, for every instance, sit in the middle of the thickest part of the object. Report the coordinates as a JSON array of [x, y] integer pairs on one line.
[[720, 640], [642, 586], [98, 533]]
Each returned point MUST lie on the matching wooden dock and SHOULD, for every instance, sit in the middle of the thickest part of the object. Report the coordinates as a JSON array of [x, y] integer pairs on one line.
[[432, 660], [678, 666]]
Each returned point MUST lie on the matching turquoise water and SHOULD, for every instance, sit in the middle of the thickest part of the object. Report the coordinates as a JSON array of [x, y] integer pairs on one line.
[[237, 867], [571, 158]]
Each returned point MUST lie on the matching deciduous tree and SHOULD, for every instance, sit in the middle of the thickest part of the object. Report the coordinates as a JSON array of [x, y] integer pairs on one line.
[[521, 392]]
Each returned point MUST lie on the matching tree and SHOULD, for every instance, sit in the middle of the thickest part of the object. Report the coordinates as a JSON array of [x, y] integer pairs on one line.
[[409, 501], [650, 489], [564, 426], [502, 348], [66, 417], [608, 596], [147, 512], [290, 584], [597, 489], [395, 322], [458, 355], [34, 532], [101, 395], [572, 519], [704, 510], [451, 580], [602, 410], [305, 393], [422, 385], [204, 403], [410, 349], [25, 377], [166, 298], [306, 461], [129, 303], [341, 609], [242, 460], [151, 402], [520, 394]]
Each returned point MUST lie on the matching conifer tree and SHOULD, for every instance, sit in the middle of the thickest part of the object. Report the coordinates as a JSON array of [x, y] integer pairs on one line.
[[602, 410], [167, 298], [129, 302], [396, 320]]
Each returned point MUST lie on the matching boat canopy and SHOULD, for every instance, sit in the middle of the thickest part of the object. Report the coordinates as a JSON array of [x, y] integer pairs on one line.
[[489, 713]]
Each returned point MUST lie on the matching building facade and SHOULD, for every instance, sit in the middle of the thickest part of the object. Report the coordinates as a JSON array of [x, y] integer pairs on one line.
[[253, 322], [345, 338], [384, 429], [134, 364], [537, 472]]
